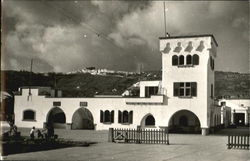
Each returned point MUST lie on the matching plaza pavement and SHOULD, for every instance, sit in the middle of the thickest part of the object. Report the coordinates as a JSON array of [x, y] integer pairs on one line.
[[183, 147]]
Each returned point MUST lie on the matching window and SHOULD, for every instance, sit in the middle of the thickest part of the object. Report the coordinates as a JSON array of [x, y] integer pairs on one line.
[[212, 91], [175, 60], [188, 89], [151, 91], [195, 59], [83, 103], [150, 120], [211, 63], [181, 60], [185, 89], [107, 116], [223, 103], [29, 115], [182, 89], [189, 60], [56, 103], [125, 117]]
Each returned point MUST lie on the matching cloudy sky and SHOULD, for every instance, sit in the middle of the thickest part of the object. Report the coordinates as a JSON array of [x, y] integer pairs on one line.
[[63, 36]]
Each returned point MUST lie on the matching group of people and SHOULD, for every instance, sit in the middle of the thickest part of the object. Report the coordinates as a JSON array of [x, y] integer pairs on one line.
[[47, 132]]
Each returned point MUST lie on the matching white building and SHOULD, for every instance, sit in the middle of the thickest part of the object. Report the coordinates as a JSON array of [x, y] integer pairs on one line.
[[240, 110], [182, 100]]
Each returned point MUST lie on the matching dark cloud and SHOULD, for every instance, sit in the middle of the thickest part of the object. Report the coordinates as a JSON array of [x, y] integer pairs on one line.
[[67, 35]]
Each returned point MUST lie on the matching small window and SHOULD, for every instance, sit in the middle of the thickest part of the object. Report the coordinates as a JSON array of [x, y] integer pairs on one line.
[[83, 103], [189, 60], [56, 103], [181, 60], [223, 103], [29, 115], [195, 59], [175, 60], [211, 63]]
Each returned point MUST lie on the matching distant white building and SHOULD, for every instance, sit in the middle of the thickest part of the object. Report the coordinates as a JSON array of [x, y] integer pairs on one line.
[[182, 101], [239, 110]]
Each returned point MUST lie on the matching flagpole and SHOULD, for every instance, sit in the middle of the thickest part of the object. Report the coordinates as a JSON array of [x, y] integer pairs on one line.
[[165, 25], [31, 63]]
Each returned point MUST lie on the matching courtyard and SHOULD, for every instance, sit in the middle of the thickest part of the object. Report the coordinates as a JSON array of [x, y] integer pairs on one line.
[[188, 147]]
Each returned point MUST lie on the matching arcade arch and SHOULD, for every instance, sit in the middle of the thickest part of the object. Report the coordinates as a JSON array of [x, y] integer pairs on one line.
[[82, 119], [56, 117], [184, 121]]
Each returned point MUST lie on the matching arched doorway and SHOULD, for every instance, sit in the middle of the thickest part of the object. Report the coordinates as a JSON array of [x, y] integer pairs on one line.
[[148, 121], [82, 119], [184, 121], [56, 117]]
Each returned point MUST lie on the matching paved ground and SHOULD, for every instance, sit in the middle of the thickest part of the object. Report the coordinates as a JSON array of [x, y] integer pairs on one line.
[[183, 147]]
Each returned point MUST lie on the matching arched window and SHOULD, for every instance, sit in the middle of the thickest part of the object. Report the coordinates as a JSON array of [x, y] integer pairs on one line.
[[29, 115], [174, 60], [125, 116], [181, 60], [189, 60], [195, 59], [183, 121], [150, 120], [107, 116]]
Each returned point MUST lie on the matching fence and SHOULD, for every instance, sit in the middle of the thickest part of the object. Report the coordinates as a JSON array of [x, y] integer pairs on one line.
[[139, 136], [238, 141]]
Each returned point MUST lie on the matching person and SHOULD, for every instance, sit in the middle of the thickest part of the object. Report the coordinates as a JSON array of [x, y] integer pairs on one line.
[[50, 130], [39, 134], [32, 133]]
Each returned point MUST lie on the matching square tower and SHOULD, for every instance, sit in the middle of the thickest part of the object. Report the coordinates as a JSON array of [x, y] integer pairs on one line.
[[188, 74]]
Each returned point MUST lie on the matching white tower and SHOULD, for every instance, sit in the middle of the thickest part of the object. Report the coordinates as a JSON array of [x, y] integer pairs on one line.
[[188, 75]]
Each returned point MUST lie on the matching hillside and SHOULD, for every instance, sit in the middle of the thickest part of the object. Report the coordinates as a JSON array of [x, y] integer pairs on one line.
[[86, 85], [236, 85]]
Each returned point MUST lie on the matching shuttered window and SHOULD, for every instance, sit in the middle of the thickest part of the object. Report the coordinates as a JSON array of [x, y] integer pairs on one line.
[[125, 117], [185, 89], [107, 116]]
